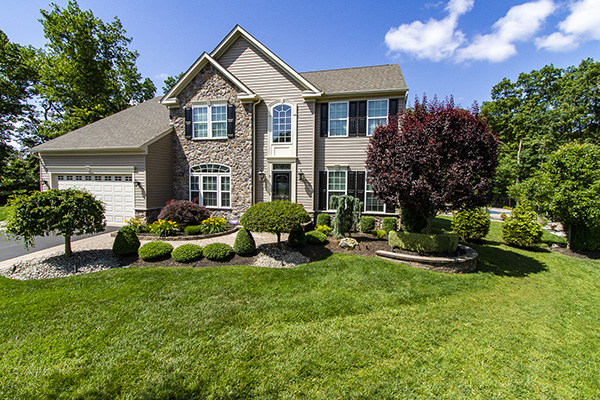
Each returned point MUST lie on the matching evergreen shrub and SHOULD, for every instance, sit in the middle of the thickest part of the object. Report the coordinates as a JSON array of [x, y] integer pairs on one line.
[[367, 224], [297, 238], [521, 229], [315, 237], [126, 242], [244, 242], [193, 230], [155, 250], [187, 252], [324, 229], [324, 219], [423, 242], [217, 251], [389, 224], [473, 223]]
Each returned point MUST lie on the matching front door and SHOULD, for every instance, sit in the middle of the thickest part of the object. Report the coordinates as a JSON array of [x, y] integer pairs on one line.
[[281, 186]]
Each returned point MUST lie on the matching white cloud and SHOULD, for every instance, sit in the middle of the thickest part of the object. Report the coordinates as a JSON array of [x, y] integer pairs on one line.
[[162, 76], [519, 24], [436, 39], [582, 24]]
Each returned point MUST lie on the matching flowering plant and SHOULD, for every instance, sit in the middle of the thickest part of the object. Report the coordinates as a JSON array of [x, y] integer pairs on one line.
[[213, 225], [163, 228], [138, 224]]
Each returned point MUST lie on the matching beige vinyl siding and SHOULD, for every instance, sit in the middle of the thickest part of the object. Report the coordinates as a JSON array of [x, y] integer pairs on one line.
[[306, 154], [261, 143], [104, 160], [159, 173]]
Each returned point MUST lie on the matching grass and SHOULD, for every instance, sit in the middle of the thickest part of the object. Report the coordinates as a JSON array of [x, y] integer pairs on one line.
[[3, 213], [526, 325]]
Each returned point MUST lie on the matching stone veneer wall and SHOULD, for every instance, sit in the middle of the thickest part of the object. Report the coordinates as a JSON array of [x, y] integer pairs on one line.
[[236, 153]]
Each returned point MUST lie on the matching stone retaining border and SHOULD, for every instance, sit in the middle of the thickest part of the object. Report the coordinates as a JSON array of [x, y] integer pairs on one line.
[[454, 265], [149, 236]]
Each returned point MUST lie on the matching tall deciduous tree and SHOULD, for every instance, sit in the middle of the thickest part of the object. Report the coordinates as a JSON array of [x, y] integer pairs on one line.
[[433, 155], [87, 70]]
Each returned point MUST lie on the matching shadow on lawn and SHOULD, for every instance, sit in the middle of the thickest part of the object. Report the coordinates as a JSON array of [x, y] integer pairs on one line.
[[506, 263]]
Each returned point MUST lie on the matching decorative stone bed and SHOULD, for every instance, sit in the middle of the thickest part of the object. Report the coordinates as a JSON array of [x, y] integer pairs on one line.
[[465, 262], [149, 236]]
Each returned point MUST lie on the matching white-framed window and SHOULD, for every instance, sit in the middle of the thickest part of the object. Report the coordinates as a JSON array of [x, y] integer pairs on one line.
[[210, 185], [336, 184], [377, 112], [209, 121], [372, 203], [338, 119], [281, 123]]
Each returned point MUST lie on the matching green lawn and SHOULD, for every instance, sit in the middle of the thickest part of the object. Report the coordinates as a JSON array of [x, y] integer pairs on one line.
[[526, 325], [3, 213]]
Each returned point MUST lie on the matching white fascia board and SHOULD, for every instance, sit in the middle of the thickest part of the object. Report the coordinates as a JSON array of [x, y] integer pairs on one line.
[[238, 30], [366, 92]]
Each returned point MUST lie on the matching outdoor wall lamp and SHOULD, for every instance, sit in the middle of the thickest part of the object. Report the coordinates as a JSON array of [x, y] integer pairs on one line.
[[261, 175], [301, 176]]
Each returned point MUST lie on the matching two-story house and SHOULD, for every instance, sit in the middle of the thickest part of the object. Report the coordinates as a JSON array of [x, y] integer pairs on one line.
[[240, 127]]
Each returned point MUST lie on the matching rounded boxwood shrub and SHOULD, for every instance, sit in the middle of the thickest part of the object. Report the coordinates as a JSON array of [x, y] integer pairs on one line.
[[521, 229], [315, 237], [473, 223], [297, 237], [274, 217], [183, 212], [155, 250], [367, 224], [423, 242], [217, 251], [389, 224], [126, 242], [187, 252], [193, 230], [244, 242], [324, 219]]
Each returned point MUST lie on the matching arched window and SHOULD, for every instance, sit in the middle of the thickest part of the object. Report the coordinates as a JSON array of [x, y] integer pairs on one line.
[[282, 123], [210, 185]]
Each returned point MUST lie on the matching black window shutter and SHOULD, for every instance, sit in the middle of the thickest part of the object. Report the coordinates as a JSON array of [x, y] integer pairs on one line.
[[353, 118], [360, 185], [393, 106], [230, 121], [188, 122], [351, 183], [323, 190], [324, 119], [362, 118]]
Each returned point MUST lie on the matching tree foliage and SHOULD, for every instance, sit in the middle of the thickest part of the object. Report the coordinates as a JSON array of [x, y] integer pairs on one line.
[[20, 175], [68, 212], [433, 155], [274, 217], [170, 81]]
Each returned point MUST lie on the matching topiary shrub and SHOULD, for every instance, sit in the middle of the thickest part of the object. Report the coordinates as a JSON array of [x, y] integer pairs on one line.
[[244, 242], [326, 230], [217, 251], [412, 221], [155, 250], [389, 224], [367, 224], [315, 237], [471, 224], [324, 219], [274, 217], [126, 242], [184, 212], [423, 242], [193, 230], [187, 252], [297, 237], [521, 229]]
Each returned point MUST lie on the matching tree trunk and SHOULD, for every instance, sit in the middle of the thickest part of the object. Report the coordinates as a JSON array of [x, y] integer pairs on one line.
[[68, 251], [278, 237], [569, 232]]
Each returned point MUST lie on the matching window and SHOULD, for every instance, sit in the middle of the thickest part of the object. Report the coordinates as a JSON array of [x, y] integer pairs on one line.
[[338, 119], [377, 112], [98, 178], [210, 121], [88, 177], [336, 184], [210, 185], [372, 203], [282, 124]]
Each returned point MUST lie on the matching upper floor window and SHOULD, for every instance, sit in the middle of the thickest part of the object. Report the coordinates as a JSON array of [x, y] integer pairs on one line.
[[377, 112], [338, 119], [282, 124], [210, 121]]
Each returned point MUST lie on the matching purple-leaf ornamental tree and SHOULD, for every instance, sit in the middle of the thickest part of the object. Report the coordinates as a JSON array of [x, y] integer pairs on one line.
[[433, 155]]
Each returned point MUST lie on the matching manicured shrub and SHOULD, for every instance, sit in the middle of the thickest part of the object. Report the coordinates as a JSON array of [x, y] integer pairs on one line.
[[471, 223], [348, 210], [274, 217], [217, 251], [213, 225], [193, 230], [324, 219], [138, 224], [379, 233], [187, 252], [126, 242], [184, 212], [412, 221], [297, 237], [163, 228], [326, 230], [244, 242], [423, 242], [389, 224], [367, 224], [315, 237], [155, 250], [521, 229]]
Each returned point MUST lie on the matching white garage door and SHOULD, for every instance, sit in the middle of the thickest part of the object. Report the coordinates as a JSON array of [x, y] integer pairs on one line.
[[115, 191]]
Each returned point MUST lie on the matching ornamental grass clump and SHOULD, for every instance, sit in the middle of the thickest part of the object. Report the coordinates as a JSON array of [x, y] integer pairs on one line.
[[217, 251], [155, 250], [187, 253], [521, 229], [244, 242], [126, 242], [471, 224], [213, 225], [163, 228]]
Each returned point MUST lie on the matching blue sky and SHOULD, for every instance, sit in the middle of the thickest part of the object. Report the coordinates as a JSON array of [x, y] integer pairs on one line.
[[458, 47]]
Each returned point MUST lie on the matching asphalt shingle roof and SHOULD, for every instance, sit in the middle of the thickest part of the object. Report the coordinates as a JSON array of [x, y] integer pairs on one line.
[[362, 79], [130, 128]]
